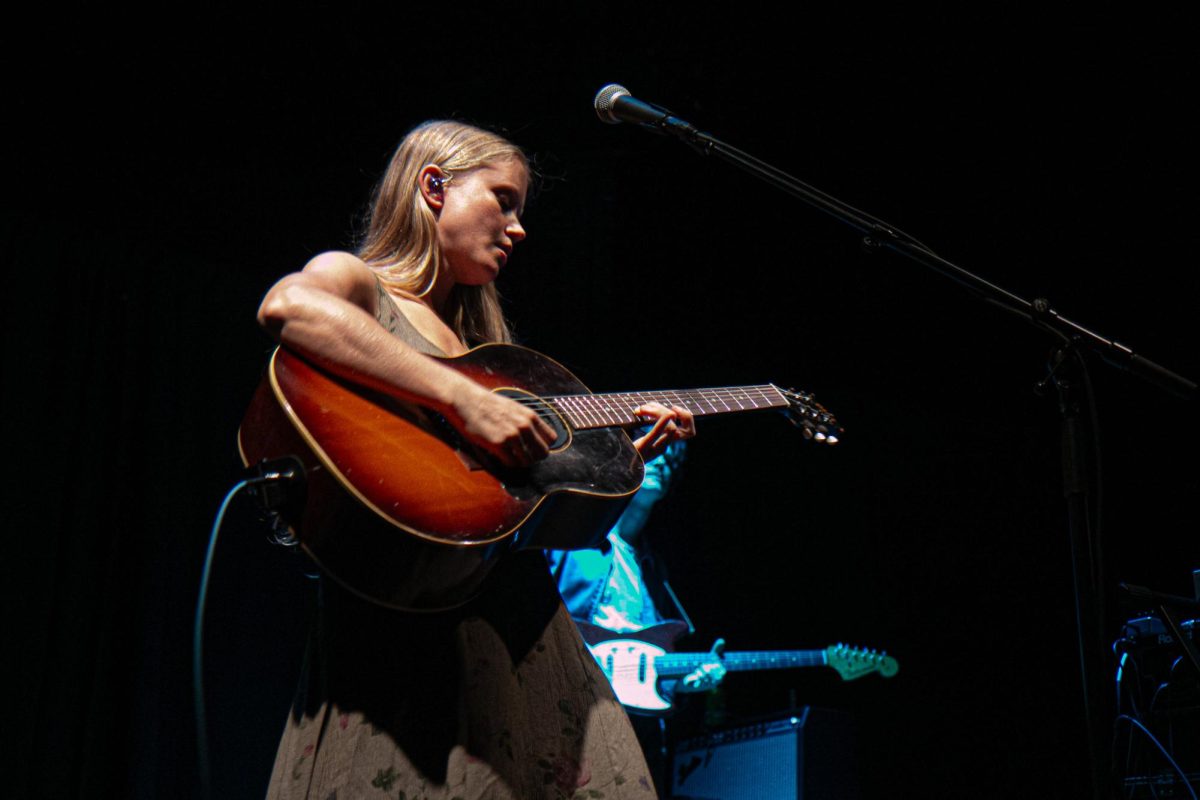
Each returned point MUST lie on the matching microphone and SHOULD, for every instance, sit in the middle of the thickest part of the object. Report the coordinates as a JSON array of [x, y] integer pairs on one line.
[[614, 104]]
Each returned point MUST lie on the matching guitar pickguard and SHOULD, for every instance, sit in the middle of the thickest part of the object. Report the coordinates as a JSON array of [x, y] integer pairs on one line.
[[629, 666]]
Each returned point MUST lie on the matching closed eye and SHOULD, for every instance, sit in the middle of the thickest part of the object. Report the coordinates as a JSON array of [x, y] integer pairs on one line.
[[508, 203], [509, 198]]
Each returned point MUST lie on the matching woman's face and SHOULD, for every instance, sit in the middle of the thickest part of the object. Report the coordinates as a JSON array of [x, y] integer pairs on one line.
[[479, 221]]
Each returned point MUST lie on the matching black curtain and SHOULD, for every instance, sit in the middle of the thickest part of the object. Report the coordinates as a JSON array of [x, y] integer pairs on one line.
[[163, 187]]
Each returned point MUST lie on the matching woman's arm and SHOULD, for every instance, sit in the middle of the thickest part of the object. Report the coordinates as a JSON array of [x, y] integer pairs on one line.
[[334, 313]]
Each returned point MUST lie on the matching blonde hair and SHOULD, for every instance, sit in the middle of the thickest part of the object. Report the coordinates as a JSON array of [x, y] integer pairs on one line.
[[400, 243]]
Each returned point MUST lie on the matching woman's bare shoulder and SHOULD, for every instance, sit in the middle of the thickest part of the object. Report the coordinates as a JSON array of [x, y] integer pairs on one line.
[[339, 264], [343, 274]]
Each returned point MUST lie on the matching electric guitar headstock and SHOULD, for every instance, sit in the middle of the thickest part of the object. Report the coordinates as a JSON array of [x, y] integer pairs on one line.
[[854, 662], [813, 419]]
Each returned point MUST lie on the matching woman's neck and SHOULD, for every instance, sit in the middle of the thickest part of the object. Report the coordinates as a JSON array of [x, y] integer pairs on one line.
[[438, 296]]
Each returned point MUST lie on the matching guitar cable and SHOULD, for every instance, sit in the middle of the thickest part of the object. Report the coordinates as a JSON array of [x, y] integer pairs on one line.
[[279, 483], [1187, 784]]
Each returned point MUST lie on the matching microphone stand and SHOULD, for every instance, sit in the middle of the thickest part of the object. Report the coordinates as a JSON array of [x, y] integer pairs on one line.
[[1068, 374]]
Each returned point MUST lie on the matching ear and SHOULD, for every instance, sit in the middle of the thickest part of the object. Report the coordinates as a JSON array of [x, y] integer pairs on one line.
[[431, 183]]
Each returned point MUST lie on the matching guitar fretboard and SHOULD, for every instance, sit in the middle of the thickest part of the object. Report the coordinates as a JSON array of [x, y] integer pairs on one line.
[[585, 411], [683, 663]]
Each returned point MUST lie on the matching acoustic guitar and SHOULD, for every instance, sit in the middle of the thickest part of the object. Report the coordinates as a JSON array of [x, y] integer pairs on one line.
[[405, 512]]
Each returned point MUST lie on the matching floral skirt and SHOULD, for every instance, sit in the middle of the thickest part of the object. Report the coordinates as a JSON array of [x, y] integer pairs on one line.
[[500, 699]]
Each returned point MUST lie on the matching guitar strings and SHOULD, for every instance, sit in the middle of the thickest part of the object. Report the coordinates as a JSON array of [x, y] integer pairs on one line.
[[766, 660], [617, 403], [640, 399], [599, 407]]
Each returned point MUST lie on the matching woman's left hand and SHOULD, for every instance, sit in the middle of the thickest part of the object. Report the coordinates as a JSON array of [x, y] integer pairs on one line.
[[666, 425]]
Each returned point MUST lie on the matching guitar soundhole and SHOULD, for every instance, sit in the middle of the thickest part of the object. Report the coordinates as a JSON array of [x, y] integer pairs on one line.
[[562, 436]]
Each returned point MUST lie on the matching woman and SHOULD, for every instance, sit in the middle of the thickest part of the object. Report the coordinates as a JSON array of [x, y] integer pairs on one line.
[[498, 698]]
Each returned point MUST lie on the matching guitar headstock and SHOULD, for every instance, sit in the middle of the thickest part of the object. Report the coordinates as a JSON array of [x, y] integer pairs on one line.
[[813, 419], [854, 662]]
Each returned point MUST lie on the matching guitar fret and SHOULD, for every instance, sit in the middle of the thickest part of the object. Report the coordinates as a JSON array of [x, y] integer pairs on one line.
[[604, 409], [589, 410], [617, 414], [560, 403], [767, 660], [625, 403], [597, 410], [580, 410], [675, 663], [577, 414], [723, 403], [635, 400], [616, 409]]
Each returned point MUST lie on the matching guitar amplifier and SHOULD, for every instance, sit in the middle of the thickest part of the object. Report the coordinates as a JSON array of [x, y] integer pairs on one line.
[[1158, 687], [803, 756]]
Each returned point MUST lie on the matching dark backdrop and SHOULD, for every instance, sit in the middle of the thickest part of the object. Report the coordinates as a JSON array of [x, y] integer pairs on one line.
[[164, 181]]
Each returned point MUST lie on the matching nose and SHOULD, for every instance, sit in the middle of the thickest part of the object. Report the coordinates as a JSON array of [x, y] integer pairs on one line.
[[515, 230]]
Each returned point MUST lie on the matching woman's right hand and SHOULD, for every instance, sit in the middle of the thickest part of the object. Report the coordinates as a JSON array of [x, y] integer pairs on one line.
[[510, 431]]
